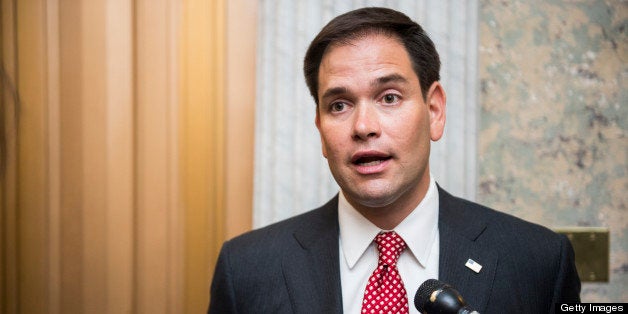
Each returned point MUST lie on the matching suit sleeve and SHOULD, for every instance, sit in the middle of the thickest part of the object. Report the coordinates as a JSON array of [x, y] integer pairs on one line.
[[567, 287], [222, 296]]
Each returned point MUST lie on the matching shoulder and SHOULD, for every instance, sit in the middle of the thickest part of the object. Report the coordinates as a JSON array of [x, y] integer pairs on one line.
[[501, 229], [280, 234], [540, 261]]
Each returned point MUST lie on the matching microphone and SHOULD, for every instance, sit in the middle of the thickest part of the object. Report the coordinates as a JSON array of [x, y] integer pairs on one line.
[[434, 296]]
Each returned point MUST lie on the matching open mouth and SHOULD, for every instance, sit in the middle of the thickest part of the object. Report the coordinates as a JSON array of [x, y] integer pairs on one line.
[[368, 161]]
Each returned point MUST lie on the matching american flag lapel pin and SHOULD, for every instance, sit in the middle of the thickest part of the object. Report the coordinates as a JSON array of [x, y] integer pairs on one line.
[[473, 265]]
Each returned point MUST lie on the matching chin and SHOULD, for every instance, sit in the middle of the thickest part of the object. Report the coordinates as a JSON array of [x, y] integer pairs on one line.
[[373, 200]]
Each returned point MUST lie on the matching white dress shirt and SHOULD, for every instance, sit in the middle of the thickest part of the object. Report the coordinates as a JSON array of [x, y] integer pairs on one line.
[[359, 256]]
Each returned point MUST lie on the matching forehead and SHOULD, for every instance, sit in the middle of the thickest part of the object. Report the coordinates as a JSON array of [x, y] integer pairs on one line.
[[364, 58], [380, 45]]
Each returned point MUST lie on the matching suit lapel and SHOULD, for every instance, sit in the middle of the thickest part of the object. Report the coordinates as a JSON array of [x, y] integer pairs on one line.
[[315, 287], [460, 231]]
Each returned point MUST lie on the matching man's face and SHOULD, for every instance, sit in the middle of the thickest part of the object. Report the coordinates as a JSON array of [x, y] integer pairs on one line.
[[374, 124]]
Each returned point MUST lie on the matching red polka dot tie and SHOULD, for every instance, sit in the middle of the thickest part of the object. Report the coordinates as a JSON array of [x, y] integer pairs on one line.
[[385, 292]]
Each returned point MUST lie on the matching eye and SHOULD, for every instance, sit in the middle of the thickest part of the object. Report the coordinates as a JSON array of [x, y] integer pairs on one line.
[[390, 98], [337, 106]]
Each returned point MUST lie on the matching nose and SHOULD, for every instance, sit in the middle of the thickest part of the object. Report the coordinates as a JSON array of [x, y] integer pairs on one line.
[[366, 122]]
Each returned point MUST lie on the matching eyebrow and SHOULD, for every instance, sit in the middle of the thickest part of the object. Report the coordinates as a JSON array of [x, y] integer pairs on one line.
[[334, 92], [392, 78]]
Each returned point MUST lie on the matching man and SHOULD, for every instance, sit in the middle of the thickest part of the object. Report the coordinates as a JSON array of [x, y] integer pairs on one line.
[[374, 75]]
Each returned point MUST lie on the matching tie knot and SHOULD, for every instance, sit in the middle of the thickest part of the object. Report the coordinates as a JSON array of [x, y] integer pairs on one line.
[[390, 245]]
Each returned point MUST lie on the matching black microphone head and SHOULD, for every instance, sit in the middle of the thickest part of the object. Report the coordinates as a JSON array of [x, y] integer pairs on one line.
[[422, 295], [434, 296]]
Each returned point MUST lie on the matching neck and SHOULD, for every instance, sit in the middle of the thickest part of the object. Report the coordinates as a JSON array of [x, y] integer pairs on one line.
[[389, 216]]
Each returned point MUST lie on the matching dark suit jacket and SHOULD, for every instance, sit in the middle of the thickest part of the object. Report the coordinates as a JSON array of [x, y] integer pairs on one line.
[[292, 266]]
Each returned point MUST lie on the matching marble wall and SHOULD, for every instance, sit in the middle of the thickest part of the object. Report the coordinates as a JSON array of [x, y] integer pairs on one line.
[[553, 119]]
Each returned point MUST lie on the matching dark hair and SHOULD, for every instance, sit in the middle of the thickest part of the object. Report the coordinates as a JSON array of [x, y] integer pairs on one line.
[[366, 21]]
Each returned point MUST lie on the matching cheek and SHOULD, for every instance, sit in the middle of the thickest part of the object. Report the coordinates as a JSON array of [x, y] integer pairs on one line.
[[330, 148], [410, 127], [329, 142]]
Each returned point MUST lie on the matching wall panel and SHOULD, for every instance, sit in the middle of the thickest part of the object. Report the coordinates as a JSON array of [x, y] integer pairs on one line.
[[119, 147], [241, 48], [203, 144], [9, 107], [155, 258], [32, 215]]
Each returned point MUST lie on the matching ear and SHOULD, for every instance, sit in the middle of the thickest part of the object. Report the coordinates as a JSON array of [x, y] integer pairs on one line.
[[317, 121], [437, 104]]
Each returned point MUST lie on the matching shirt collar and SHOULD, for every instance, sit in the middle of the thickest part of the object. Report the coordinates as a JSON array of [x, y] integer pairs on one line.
[[419, 230]]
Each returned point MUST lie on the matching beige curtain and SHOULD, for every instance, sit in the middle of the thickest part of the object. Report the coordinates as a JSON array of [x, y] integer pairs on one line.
[[125, 155]]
